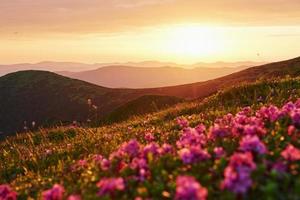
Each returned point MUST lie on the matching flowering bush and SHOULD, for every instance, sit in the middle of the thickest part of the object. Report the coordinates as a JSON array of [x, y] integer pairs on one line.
[[188, 188], [238, 173], [6, 193], [110, 185], [55, 193]]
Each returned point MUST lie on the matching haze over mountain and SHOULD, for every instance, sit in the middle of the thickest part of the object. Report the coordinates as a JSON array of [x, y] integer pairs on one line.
[[149, 77], [76, 66], [49, 99]]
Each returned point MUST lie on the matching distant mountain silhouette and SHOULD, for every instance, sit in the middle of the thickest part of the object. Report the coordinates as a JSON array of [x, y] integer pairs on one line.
[[76, 67], [149, 77]]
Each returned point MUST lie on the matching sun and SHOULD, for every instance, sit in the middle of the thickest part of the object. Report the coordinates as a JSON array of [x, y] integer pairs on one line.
[[193, 41]]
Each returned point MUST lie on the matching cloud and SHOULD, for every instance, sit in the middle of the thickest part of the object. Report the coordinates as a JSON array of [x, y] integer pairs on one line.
[[109, 16], [139, 3]]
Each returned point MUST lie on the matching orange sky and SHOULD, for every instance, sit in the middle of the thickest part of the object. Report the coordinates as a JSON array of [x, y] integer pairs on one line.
[[183, 31]]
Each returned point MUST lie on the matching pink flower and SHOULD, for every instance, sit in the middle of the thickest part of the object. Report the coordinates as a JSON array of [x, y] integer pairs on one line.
[[191, 137], [149, 137], [200, 128], [187, 188], [138, 163], [55, 193], [252, 143], [97, 158], [105, 164], [291, 130], [152, 148], [110, 185], [254, 129], [219, 152], [238, 173], [74, 197], [289, 107], [82, 163], [295, 115], [244, 125], [271, 113], [132, 148], [6, 193], [182, 122], [291, 153], [166, 148], [279, 167], [193, 154], [218, 131], [48, 151]]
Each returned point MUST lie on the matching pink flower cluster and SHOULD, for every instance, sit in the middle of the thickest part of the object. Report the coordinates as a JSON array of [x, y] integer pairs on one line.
[[219, 152], [55, 193], [182, 122], [252, 144], [188, 188], [135, 156], [193, 154], [192, 137], [6, 193], [291, 153], [237, 173], [191, 145], [107, 186]]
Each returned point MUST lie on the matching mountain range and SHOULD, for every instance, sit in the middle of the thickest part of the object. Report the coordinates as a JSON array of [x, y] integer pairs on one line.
[[149, 77], [50, 99], [134, 74]]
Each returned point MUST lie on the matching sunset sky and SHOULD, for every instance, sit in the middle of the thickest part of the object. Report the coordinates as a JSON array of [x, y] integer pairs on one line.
[[183, 31]]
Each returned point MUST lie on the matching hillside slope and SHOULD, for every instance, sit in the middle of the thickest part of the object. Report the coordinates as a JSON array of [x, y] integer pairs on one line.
[[203, 89], [79, 159], [140, 106], [290, 68], [47, 99], [43, 97]]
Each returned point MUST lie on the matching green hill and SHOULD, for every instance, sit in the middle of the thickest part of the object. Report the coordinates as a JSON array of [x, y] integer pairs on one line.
[[50, 99], [34, 162]]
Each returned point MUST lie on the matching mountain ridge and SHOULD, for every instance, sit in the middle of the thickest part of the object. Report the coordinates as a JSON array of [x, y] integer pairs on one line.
[[49, 98], [119, 76]]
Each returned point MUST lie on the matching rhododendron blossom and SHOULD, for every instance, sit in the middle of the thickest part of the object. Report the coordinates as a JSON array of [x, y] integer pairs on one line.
[[237, 173], [6, 193], [252, 143], [219, 152], [74, 197], [152, 148], [291, 153], [55, 193], [295, 115], [187, 188], [182, 122], [193, 154], [110, 185], [191, 137], [130, 148]]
